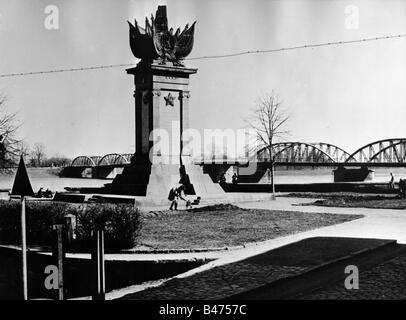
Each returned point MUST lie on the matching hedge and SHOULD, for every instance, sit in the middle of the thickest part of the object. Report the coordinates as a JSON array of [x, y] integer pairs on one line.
[[121, 223]]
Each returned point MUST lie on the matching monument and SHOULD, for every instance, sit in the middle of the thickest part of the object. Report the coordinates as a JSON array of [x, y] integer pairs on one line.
[[161, 105]]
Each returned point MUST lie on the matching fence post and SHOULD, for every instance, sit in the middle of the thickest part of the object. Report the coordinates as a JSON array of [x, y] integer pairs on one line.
[[70, 222], [98, 277], [58, 254], [24, 249]]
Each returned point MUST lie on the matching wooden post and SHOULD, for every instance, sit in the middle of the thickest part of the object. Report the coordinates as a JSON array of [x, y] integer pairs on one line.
[[98, 265], [59, 256], [70, 223], [102, 266], [24, 249]]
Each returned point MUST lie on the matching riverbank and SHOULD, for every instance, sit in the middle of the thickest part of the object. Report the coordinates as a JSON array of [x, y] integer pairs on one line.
[[34, 172], [285, 178], [352, 200], [47, 178]]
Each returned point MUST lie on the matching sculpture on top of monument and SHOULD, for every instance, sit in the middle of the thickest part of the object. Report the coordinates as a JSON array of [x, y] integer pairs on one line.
[[156, 42]]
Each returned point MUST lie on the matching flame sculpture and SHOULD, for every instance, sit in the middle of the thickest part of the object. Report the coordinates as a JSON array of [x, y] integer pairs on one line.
[[156, 42]]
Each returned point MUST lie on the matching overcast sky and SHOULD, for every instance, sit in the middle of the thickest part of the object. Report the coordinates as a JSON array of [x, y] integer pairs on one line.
[[346, 95]]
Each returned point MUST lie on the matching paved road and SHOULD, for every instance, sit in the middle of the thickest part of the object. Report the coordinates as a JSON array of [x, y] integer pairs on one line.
[[238, 277], [378, 223], [385, 281]]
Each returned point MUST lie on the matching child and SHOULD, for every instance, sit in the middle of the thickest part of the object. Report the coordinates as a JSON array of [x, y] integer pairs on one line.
[[174, 195]]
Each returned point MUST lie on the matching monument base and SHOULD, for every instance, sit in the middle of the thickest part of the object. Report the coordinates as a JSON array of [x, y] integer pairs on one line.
[[154, 180]]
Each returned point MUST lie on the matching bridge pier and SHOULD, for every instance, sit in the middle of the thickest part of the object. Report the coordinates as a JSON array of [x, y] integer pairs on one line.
[[342, 174], [217, 170], [106, 172], [76, 172]]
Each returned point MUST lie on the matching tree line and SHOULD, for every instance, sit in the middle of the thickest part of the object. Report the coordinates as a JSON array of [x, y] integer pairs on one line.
[[11, 147]]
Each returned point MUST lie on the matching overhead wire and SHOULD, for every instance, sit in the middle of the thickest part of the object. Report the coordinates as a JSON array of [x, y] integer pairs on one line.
[[229, 55]]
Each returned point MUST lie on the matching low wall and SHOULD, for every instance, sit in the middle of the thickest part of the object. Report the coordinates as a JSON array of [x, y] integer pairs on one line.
[[313, 187], [119, 273]]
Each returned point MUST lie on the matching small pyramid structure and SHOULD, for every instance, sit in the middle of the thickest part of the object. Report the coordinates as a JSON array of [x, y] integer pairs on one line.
[[22, 185]]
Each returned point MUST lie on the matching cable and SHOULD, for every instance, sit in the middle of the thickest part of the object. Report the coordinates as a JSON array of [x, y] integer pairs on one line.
[[298, 47], [211, 56], [64, 70]]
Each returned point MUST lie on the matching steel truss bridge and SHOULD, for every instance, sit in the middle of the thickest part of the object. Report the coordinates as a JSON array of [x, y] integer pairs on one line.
[[111, 159], [382, 153]]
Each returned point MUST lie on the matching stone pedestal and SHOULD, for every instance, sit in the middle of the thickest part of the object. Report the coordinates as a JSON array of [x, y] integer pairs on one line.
[[161, 115]]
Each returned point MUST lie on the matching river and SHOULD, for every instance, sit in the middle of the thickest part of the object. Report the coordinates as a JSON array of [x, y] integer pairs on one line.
[[47, 178]]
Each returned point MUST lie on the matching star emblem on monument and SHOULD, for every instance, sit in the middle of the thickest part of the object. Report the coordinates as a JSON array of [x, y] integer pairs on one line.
[[169, 100]]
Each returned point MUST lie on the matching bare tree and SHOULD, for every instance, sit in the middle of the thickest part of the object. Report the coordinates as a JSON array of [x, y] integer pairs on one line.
[[9, 144], [25, 149], [56, 161], [268, 121], [38, 153]]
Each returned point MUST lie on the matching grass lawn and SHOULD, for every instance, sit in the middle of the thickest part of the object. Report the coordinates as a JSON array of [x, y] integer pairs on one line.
[[354, 200], [227, 225]]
